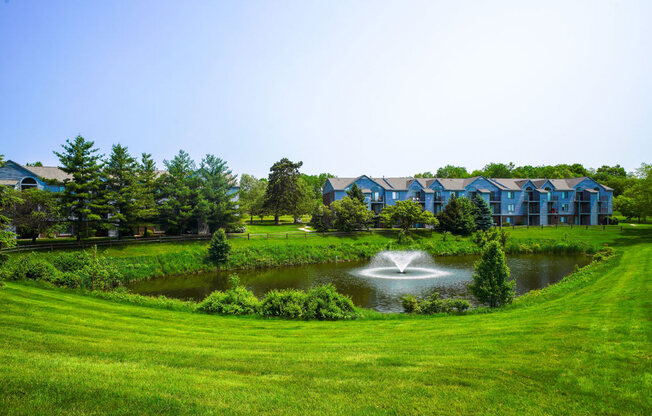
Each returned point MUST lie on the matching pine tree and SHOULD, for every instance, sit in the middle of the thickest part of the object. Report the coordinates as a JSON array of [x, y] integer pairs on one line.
[[355, 193], [219, 247], [457, 216], [217, 181], [147, 191], [179, 193], [120, 183], [482, 214], [491, 283], [282, 188], [82, 197]]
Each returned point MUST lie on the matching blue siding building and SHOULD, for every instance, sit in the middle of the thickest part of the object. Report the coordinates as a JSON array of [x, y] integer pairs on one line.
[[580, 201]]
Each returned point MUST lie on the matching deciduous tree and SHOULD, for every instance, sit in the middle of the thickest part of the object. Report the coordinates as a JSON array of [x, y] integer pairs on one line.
[[282, 188], [405, 214]]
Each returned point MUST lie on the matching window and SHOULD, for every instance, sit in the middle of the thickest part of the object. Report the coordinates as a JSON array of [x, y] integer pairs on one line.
[[394, 195], [508, 220], [562, 219], [510, 195], [510, 208], [564, 207], [376, 196], [564, 194]]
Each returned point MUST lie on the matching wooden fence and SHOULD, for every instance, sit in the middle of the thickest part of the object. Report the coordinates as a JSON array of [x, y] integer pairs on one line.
[[111, 242]]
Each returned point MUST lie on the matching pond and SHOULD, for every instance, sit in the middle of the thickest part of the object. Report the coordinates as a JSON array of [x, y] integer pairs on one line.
[[376, 291]]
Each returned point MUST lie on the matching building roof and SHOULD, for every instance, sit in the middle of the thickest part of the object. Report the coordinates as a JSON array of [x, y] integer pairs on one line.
[[49, 172], [8, 182], [460, 184]]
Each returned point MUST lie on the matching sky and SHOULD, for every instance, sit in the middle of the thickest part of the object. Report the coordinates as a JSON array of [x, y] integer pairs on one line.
[[348, 87]]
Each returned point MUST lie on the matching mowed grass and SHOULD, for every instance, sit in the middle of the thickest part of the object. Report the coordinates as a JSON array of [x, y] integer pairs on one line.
[[581, 347]]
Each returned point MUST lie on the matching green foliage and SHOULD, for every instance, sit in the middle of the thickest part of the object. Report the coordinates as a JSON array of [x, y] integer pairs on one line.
[[457, 217], [324, 303], [121, 189], [236, 301], [82, 199], [433, 304], [219, 247], [216, 181], [252, 195], [147, 190], [282, 188], [350, 214], [482, 214], [450, 171], [410, 304], [8, 197], [289, 304], [603, 254], [322, 218], [182, 203], [491, 283], [36, 212], [29, 267], [355, 193], [69, 261], [405, 214], [305, 200], [481, 238]]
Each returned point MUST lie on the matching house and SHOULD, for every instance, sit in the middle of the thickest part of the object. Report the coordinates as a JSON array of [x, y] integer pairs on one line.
[[580, 201]]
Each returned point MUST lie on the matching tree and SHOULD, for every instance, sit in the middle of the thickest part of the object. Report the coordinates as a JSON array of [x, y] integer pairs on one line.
[[626, 206], [350, 214], [491, 282], [482, 214], [216, 182], [305, 202], [7, 199], [450, 171], [251, 195], [498, 170], [81, 198], [356, 193], [282, 188], [322, 218], [219, 247], [37, 212], [405, 214], [457, 216], [179, 193], [317, 183], [424, 175], [120, 183], [147, 190]]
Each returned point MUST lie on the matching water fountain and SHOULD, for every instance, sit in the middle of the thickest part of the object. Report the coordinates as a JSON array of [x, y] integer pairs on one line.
[[401, 265]]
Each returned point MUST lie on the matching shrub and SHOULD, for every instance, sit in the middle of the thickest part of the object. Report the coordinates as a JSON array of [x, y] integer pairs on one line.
[[410, 304], [491, 283], [236, 301], [237, 228], [284, 303], [30, 267], [219, 247], [603, 254], [324, 303], [70, 261], [147, 233]]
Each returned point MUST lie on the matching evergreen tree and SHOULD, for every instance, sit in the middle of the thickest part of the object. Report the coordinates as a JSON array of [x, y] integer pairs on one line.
[[179, 193], [219, 247], [282, 188], [7, 199], [216, 182], [457, 216], [82, 197], [491, 282], [482, 214], [147, 191], [355, 193], [121, 189]]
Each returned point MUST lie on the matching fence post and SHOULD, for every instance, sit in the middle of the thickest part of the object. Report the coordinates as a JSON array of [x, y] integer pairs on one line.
[[268, 236], [286, 236], [621, 228], [305, 235], [604, 227], [587, 227]]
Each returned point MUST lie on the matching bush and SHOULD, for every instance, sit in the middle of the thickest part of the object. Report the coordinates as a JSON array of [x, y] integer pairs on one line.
[[147, 233], [30, 267], [236, 301], [410, 304], [237, 228], [603, 254], [284, 303], [70, 262], [325, 303], [219, 247]]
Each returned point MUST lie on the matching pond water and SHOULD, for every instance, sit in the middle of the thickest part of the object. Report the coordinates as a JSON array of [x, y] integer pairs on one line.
[[382, 293]]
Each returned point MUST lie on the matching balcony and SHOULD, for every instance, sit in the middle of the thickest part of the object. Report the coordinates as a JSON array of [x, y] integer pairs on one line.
[[418, 199], [375, 199]]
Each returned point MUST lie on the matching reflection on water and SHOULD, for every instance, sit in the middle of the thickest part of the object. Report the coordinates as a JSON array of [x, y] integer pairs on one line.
[[532, 271]]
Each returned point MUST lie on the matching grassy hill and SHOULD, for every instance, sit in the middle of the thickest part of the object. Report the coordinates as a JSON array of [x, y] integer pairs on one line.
[[579, 347]]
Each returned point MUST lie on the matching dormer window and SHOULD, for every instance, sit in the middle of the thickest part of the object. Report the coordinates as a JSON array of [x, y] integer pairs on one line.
[[28, 183]]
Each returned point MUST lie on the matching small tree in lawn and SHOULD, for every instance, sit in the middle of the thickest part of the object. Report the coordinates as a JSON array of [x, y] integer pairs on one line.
[[405, 214], [36, 213], [355, 193], [482, 214], [457, 216], [219, 247], [491, 282]]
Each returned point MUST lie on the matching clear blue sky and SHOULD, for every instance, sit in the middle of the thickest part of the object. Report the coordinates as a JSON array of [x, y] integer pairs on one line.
[[348, 87]]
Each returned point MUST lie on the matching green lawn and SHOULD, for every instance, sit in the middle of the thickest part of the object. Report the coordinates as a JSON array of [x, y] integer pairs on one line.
[[581, 347]]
